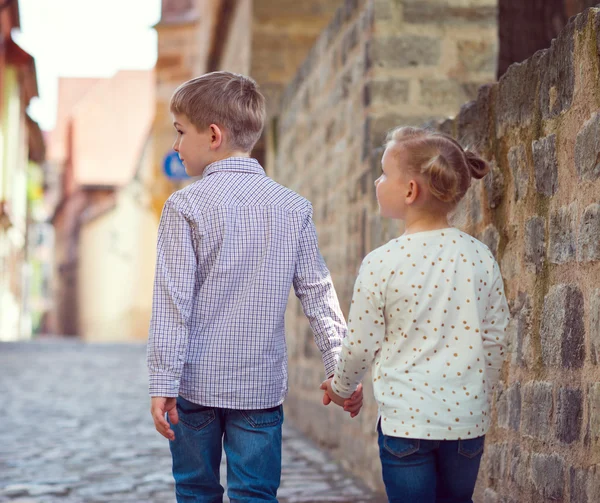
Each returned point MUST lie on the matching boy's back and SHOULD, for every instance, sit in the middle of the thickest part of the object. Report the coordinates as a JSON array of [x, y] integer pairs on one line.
[[233, 244]]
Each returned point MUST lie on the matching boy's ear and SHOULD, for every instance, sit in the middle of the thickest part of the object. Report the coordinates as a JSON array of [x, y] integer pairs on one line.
[[216, 136], [412, 192]]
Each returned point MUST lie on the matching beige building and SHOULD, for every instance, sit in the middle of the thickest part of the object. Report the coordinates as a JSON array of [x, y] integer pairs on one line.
[[105, 226]]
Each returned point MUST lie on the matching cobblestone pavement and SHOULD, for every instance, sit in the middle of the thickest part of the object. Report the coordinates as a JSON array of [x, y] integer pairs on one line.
[[76, 427]]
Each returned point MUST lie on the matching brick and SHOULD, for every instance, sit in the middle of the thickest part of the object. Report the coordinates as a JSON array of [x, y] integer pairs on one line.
[[558, 77], [477, 55], [569, 415], [588, 244], [562, 332], [390, 92], [563, 224], [535, 243], [536, 413], [437, 94], [548, 475], [587, 150], [517, 160], [494, 186], [545, 165], [405, 51], [594, 328]]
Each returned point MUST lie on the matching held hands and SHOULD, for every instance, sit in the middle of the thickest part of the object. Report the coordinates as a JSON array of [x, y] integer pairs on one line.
[[158, 408], [352, 404]]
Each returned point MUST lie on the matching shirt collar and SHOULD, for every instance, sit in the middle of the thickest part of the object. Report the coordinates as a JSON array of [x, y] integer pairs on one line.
[[236, 165]]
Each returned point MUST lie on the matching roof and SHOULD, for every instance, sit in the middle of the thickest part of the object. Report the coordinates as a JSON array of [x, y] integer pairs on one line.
[[109, 124]]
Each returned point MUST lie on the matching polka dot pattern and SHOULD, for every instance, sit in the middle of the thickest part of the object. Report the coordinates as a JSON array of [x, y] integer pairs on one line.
[[429, 315]]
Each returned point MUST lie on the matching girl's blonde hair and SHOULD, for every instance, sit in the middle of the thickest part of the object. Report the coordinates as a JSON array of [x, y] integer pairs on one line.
[[441, 160]]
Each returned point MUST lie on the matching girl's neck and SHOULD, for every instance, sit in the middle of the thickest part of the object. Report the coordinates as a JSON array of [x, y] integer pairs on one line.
[[425, 222]]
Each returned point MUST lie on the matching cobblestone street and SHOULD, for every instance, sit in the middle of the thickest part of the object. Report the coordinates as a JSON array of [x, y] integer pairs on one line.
[[76, 428]]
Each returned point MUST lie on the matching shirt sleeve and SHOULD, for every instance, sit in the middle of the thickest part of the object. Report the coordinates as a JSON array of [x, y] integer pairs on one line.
[[174, 291], [314, 287], [494, 331], [366, 331]]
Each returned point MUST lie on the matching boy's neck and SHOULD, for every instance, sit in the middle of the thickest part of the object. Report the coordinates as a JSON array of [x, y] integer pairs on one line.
[[228, 155]]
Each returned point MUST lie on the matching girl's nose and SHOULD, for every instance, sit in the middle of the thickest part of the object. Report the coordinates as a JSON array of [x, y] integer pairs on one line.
[[377, 181]]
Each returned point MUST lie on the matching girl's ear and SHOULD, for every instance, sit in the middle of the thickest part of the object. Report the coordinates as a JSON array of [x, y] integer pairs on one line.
[[412, 192], [216, 136]]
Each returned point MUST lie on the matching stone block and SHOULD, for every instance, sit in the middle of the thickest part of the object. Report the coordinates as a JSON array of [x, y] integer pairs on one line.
[[496, 461], [548, 475], [491, 238], [514, 406], [536, 412], [562, 332], [545, 165], [390, 92], [594, 328], [494, 186], [521, 314], [405, 51], [515, 98], [477, 55], [563, 224], [578, 482], [473, 121], [589, 234], [592, 435], [519, 467], [587, 150], [501, 406], [535, 243], [441, 94], [569, 415], [490, 496], [517, 160], [432, 12], [558, 76]]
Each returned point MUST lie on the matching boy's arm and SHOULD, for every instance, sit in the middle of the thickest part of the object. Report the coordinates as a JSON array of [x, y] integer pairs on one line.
[[366, 331], [314, 288], [174, 290], [494, 331]]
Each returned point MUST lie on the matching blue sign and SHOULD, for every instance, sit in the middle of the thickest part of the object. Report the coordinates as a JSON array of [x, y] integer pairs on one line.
[[173, 167]]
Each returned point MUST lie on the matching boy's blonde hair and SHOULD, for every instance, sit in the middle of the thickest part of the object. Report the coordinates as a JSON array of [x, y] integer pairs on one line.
[[229, 100], [441, 160]]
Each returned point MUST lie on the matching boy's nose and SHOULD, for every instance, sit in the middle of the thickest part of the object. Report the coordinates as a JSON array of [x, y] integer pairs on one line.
[[176, 146]]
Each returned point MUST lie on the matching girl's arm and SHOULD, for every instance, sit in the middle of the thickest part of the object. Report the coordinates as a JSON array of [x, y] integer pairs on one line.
[[366, 328], [494, 331]]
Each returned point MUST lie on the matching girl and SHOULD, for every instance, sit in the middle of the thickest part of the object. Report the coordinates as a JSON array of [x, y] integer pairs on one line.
[[429, 313]]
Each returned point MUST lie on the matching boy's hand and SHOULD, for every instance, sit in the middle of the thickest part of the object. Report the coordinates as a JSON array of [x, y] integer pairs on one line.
[[158, 408], [351, 405]]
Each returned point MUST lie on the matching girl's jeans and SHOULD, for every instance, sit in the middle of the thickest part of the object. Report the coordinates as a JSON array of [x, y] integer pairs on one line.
[[429, 471], [252, 443]]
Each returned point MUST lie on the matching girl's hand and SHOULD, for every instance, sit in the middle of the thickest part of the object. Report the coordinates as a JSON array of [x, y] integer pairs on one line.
[[351, 405]]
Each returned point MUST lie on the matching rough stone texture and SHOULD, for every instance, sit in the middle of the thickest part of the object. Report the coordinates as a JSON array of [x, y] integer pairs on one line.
[[396, 72], [593, 419], [562, 332], [587, 150], [535, 243], [548, 474], [588, 245], [563, 228], [494, 186], [594, 327], [537, 410], [569, 415], [517, 160], [546, 165]]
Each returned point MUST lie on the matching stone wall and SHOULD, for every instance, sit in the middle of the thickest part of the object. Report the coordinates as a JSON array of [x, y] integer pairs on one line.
[[379, 63]]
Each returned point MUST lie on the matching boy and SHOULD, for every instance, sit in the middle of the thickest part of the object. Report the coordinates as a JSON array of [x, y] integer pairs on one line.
[[230, 246]]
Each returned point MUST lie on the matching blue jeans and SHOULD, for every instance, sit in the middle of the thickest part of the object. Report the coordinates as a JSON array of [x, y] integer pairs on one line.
[[429, 471], [252, 443]]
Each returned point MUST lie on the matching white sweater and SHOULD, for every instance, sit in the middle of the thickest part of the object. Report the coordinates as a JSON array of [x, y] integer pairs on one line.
[[429, 313]]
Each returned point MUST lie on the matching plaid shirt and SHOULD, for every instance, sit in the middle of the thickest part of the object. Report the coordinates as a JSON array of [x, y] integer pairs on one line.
[[230, 247]]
